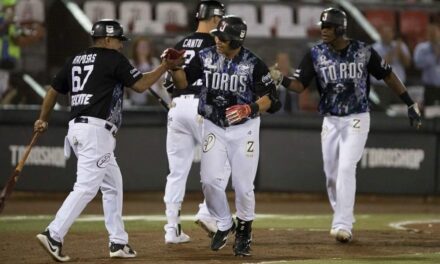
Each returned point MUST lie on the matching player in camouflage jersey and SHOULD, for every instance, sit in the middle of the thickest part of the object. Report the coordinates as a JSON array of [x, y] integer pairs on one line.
[[236, 88], [342, 67]]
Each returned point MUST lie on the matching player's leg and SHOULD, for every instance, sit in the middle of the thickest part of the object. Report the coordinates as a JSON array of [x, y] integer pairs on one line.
[[330, 137], [86, 141], [244, 150], [214, 181], [180, 152], [353, 138]]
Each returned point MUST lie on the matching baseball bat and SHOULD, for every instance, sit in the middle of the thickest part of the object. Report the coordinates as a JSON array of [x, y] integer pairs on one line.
[[10, 184], [160, 99]]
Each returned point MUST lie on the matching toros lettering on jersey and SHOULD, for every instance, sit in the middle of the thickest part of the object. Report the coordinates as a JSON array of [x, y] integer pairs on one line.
[[346, 71], [225, 82]]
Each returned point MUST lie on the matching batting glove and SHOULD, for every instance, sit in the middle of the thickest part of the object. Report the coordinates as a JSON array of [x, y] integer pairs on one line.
[[236, 113], [40, 126], [276, 75], [415, 118]]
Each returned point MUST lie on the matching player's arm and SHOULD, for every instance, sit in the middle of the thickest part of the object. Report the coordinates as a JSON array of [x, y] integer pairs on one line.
[[182, 77], [179, 78], [382, 70], [49, 102], [301, 78], [149, 78]]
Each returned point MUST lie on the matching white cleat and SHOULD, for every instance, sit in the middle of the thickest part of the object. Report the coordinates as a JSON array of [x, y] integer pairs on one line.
[[341, 235], [210, 226], [174, 235]]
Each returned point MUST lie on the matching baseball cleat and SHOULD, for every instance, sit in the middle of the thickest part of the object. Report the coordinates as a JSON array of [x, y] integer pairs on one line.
[[341, 235], [242, 245], [121, 251], [220, 237], [52, 246], [175, 235], [210, 226]]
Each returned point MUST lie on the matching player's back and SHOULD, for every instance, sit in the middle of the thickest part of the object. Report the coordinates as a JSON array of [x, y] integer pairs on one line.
[[192, 44]]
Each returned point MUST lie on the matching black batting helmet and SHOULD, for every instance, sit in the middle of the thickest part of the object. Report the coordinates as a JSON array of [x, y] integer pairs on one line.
[[231, 28], [210, 8], [334, 17], [108, 28]]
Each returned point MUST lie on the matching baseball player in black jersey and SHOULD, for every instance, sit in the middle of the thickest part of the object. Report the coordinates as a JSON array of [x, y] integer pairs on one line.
[[342, 67], [236, 88], [184, 132], [95, 80]]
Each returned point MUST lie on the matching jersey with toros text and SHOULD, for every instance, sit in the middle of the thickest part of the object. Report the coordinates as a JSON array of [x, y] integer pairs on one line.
[[95, 80], [342, 77], [227, 82], [192, 44]]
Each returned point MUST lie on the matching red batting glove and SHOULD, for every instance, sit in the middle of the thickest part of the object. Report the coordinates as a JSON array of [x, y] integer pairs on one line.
[[236, 113]]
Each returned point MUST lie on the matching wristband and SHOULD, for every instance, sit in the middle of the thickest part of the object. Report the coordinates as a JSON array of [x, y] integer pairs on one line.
[[255, 108], [406, 99], [286, 82]]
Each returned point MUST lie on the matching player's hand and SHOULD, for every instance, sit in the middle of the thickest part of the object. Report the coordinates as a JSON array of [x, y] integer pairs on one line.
[[276, 75], [415, 118], [172, 58], [236, 113], [40, 126]]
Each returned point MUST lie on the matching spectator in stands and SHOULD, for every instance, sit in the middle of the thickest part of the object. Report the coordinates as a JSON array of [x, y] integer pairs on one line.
[[12, 37], [144, 60], [396, 53], [427, 59]]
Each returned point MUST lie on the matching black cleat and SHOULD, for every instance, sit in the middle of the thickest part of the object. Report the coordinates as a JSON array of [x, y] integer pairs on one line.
[[243, 238], [220, 237], [121, 251], [52, 246]]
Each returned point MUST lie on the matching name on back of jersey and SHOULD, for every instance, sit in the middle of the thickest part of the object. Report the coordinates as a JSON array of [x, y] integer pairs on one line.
[[192, 43], [84, 59]]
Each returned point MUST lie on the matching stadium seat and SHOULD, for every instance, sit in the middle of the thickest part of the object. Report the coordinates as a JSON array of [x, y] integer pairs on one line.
[[173, 15], [279, 19], [30, 11], [136, 17], [96, 10], [380, 17], [248, 12], [413, 26], [308, 17]]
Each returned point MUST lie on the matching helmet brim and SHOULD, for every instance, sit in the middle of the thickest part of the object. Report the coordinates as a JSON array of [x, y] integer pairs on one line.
[[220, 34]]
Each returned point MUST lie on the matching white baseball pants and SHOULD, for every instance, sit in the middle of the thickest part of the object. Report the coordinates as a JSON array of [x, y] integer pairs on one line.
[[97, 169], [343, 141]]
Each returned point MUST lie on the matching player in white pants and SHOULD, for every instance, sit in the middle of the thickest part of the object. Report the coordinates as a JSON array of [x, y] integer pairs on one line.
[[95, 80], [184, 132], [342, 69], [236, 88]]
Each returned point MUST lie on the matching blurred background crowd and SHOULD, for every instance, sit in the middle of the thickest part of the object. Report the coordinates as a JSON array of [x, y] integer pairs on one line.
[[36, 37]]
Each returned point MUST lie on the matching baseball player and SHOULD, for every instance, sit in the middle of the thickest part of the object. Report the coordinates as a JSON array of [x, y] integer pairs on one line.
[[342, 67], [95, 79], [236, 88], [184, 131]]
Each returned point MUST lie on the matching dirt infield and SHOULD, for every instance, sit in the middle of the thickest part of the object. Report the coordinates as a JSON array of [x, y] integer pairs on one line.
[[269, 244]]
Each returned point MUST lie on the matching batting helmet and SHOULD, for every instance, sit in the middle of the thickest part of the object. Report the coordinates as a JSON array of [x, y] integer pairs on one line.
[[231, 28], [210, 8], [108, 28], [334, 17]]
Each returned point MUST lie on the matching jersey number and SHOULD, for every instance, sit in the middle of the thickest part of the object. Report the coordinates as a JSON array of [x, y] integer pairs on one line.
[[189, 55], [77, 83]]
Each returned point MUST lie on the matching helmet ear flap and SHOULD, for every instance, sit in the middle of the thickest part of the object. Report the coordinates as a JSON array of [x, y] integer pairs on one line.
[[339, 31]]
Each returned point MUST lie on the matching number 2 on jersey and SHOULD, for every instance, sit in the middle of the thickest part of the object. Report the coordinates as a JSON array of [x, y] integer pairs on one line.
[[189, 55], [77, 83]]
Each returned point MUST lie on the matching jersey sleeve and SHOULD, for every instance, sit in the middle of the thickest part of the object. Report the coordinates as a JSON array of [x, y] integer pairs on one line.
[[262, 79], [126, 73], [61, 81], [377, 66], [305, 72]]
